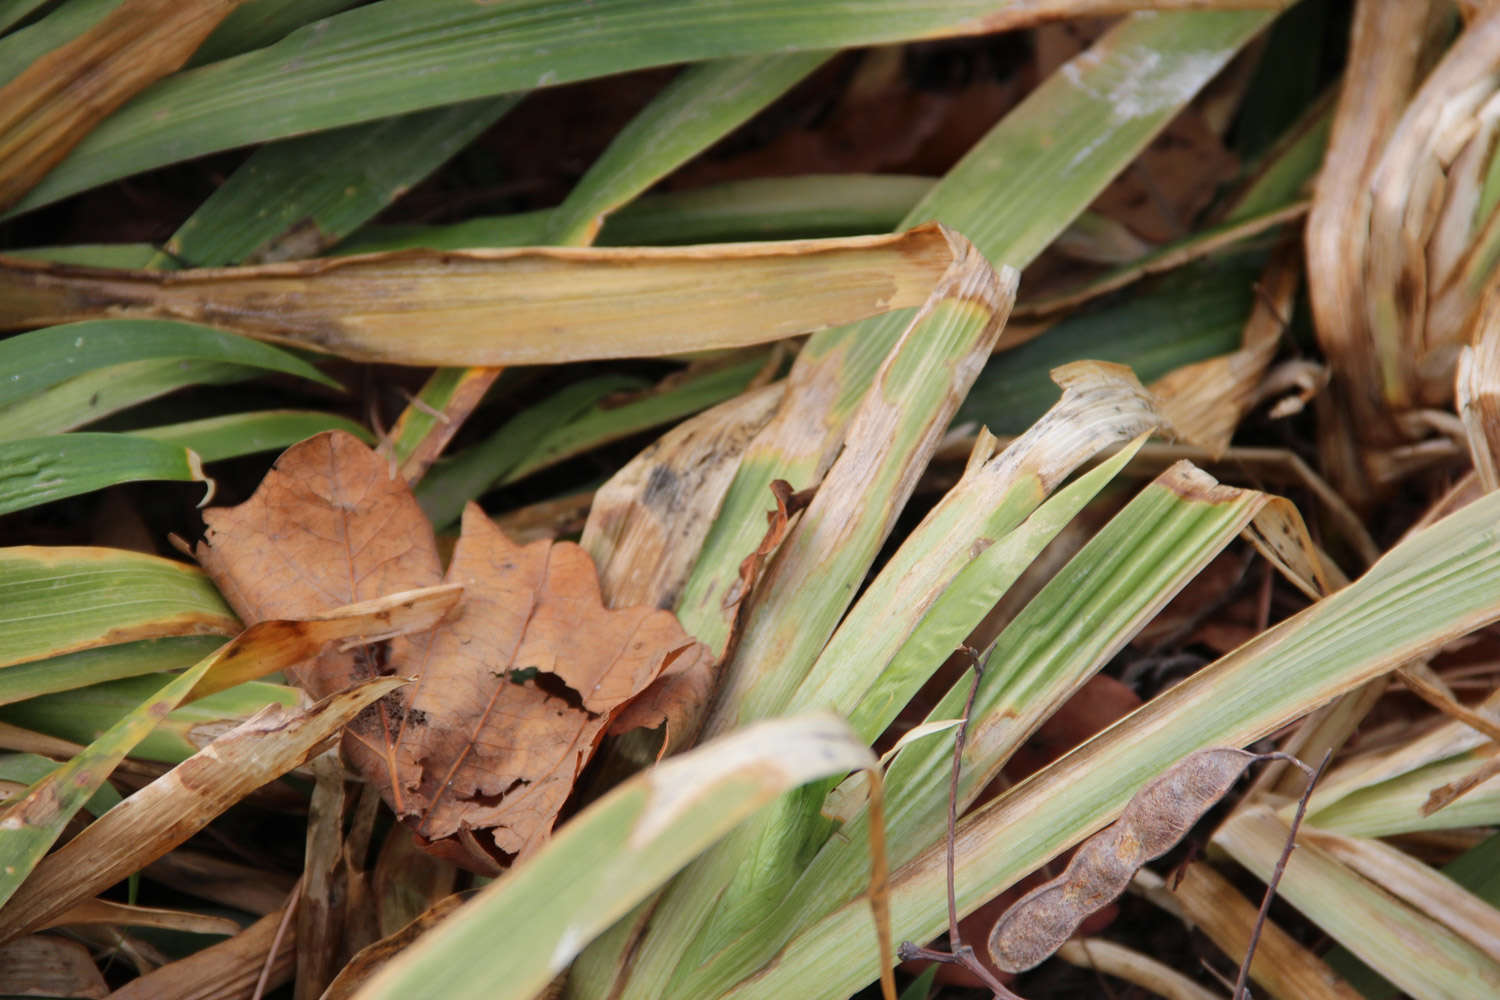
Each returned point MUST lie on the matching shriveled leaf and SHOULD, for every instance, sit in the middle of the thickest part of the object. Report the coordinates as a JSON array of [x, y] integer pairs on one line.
[[104, 911], [34, 820], [500, 307], [329, 525], [1204, 402], [269, 646], [647, 524], [1478, 391], [1386, 56], [81, 715]]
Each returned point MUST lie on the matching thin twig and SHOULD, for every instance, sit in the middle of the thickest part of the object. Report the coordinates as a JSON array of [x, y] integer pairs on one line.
[[293, 900], [961, 954], [1241, 990], [954, 941]]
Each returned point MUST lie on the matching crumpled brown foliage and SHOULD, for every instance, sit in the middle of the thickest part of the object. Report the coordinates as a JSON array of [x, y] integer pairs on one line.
[[510, 695]]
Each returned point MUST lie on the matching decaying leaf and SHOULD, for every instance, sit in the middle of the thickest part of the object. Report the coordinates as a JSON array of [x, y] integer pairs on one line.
[[329, 526], [516, 692], [1401, 234], [512, 692]]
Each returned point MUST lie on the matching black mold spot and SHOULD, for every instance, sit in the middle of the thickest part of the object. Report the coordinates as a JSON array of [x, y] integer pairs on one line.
[[661, 486]]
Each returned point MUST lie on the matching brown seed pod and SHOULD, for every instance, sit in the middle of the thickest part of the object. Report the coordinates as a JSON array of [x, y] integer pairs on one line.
[[1155, 819]]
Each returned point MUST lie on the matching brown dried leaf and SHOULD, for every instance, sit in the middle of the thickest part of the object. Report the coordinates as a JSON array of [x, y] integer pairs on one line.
[[330, 525], [513, 692], [1205, 401], [678, 700], [517, 692]]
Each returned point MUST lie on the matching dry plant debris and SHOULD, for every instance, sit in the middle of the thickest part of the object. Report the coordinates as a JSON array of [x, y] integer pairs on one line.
[[510, 695]]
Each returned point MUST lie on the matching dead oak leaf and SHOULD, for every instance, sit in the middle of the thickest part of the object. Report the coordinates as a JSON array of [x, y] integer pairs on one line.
[[510, 695], [328, 526], [518, 691]]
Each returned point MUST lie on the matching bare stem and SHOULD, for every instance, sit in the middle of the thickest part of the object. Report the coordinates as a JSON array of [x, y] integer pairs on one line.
[[1241, 989]]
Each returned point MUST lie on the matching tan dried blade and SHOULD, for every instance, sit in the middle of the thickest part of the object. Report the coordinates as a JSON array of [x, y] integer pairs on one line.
[[44, 965], [1285, 968], [647, 524], [230, 968], [1413, 346], [1410, 949], [320, 909], [1384, 63], [519, 306], [58, 99], [1478, 391], [1424, 888], [177, 805], [1158, 978], [1204, 402], [105, 911], [284, 644]]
